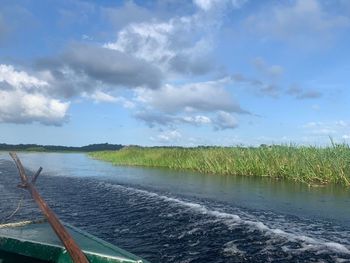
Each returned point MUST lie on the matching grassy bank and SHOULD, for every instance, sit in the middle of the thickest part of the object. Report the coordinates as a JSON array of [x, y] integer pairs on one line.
[[311, 165]]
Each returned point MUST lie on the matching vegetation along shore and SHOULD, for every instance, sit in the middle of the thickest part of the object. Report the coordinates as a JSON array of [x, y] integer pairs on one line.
[[59, 148], [307, 164]]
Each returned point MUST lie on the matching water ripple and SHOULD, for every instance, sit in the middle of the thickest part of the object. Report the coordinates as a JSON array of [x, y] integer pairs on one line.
[[162, 227]]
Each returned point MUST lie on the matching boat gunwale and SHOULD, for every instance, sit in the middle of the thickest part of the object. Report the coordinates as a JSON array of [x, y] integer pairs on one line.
[[60, 249]]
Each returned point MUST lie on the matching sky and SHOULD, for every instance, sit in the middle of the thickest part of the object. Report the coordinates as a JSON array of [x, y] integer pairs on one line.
[[175, 72]]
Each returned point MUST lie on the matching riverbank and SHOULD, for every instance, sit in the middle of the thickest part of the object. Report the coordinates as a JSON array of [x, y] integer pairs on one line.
[[59, 148], [307, 164], [204, 218]]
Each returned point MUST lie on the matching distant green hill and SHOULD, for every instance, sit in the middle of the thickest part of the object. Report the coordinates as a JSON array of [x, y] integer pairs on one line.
[[57, 148]]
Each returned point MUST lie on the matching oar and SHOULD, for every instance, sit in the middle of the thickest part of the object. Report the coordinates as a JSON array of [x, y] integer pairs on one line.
[[73, 249]]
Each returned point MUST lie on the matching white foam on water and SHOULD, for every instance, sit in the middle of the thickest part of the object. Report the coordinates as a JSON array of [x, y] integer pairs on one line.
[[232, 220], [341, 260], [194, 244], [231, 249], [193, 230]]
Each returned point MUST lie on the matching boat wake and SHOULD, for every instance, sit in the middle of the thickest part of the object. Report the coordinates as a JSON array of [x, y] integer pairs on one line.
[[167, 227], [278, 234]]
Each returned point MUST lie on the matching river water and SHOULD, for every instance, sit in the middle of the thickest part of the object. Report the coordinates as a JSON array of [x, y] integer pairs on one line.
[[168, 216]]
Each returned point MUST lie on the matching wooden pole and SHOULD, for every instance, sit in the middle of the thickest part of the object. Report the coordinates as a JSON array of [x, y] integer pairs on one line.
[[71, 246]]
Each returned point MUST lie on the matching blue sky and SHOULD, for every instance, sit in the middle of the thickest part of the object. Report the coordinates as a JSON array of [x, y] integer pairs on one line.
[[201, 72]]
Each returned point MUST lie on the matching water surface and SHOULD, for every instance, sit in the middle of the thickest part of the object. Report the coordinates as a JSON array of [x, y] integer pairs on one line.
[[167, 216]]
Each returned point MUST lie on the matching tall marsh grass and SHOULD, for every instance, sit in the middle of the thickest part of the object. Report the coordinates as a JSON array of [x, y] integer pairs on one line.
[[308, 164]]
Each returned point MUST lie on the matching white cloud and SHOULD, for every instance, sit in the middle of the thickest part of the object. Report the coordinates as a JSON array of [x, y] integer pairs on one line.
[[100, 96], [269, 70], [198, 104], [103, 97], [19, 79], [128, 104], [149, 40], [225, 120], [342, 123], [257, 87], [87, 68], [197, 120], [24, 99], [86, 37], [21, 107], [181, 44], [297, 21], [346, 137], [207, 5], [301, 94], [166, 44], [171, 136], [327, 128], [129, 12], [145, 55], [153, 119], [201, 96], [270, 84]]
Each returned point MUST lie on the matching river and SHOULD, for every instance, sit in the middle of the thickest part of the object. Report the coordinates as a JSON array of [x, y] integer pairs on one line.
[[169, 216]]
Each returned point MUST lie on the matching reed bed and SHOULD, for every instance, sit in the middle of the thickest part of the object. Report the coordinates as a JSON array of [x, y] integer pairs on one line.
[[307, 164]]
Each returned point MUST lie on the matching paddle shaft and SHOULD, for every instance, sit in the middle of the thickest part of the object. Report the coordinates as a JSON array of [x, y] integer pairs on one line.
[[71, 246]]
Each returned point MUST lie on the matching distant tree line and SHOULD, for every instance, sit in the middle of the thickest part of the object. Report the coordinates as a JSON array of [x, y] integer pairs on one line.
[[57, 148]]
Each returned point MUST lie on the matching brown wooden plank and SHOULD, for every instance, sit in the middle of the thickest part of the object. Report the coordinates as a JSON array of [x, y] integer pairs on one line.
[[73, 249]]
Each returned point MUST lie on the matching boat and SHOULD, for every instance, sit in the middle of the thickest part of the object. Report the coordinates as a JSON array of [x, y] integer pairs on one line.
[[37, 242], [51, 240]]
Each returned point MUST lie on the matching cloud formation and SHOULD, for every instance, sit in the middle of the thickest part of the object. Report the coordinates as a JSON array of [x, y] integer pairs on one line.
[[258, 87], [128, 13], [86, 68], [299, 21], [196, 104], [154, 119], [301, 94], [201, 96], [24, 100], [338, 128], [100, 96], [268, 83], [111, 66], [208, 5], [170, 136], [225, 120], [268, 70], [19, 79], [146, 56], [179, 45]]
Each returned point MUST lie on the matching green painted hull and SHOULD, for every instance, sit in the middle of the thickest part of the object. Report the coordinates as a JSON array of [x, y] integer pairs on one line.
[[38, 243]]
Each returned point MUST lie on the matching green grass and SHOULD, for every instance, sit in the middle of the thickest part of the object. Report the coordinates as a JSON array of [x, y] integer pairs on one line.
[[35, 149], [308, 164]]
